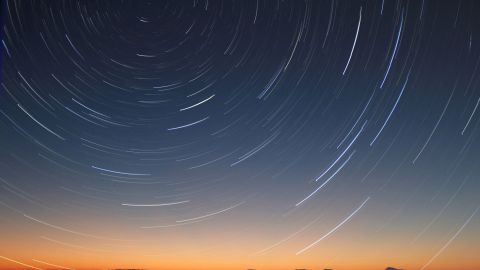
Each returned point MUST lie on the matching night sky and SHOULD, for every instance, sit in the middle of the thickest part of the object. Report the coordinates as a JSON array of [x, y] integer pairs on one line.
[[240, 134]]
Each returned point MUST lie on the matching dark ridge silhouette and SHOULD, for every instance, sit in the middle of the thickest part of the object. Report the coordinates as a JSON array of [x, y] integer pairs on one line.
[[392, 268]]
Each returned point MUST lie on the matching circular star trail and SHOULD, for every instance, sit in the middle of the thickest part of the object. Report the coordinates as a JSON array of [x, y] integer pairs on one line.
[[210, 134]]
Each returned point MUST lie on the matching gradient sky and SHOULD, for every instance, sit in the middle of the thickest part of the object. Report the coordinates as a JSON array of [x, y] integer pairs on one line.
[[244, 134]]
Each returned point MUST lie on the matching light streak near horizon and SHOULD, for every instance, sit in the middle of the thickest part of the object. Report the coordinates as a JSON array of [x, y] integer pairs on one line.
[[334, 229], [21, 263], [211, 214], [54, 265], [156, 204], [450, 240]]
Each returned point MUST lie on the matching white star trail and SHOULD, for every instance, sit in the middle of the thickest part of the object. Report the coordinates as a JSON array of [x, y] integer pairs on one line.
[[450, 240], [21, 263], [334, 229], [196, 104], [54, 265], [354, 42], [155, 204], [190, 124], [211, 214]]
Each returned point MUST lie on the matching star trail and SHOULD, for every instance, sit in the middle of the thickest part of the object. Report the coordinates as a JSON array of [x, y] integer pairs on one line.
[[240, 134]]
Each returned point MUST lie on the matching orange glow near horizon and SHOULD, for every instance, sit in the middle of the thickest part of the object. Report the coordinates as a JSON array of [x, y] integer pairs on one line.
[[350, 248]]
